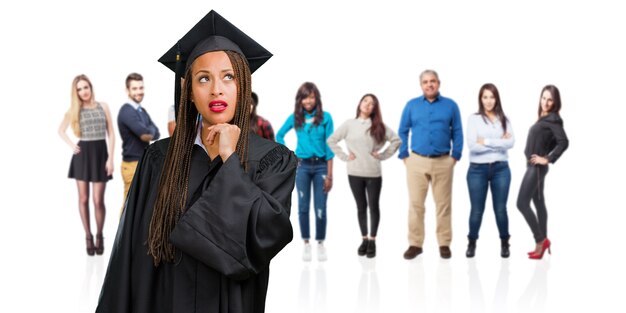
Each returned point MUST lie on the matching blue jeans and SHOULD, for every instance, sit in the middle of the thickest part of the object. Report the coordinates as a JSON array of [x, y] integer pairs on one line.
[[480, 177], [311, 174]]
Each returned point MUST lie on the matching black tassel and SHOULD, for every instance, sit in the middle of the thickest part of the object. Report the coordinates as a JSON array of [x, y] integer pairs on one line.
[[177, 77]]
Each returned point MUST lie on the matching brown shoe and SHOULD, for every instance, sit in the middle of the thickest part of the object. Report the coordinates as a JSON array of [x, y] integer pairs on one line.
[[445, 252], [412, 252]]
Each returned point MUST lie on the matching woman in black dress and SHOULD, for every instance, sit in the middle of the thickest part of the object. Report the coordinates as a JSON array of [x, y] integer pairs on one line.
[[92, 161]]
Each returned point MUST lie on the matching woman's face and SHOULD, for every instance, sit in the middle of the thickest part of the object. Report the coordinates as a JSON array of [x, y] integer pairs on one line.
[[84, 91], [488, 100], [546, 101], [366, 106], [308, 103], [214, 87]]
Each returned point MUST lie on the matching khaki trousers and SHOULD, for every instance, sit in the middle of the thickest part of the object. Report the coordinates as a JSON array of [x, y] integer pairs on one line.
[[128, 171], [421, 171]]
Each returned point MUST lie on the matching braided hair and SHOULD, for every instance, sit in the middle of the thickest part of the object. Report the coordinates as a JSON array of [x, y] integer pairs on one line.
[[174, 182]]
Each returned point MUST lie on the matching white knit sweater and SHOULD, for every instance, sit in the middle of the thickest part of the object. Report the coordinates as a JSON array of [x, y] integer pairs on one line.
[[361, 144]]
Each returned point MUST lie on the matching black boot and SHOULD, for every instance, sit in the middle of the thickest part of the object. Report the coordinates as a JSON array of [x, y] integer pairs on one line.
[[371, 249], [471, 249], [505, 248], [363, 247]]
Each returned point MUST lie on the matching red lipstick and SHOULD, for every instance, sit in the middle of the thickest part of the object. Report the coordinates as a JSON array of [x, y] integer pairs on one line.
[[217, 106]]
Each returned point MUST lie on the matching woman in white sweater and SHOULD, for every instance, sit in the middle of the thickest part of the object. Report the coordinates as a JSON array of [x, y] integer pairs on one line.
[[365, 136]]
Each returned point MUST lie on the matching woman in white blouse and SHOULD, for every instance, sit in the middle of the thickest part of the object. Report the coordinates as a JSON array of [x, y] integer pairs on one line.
[[489, 136], [365, 136]]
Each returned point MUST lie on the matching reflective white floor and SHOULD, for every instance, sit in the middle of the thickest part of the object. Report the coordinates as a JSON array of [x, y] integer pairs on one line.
[[388, 283], [45, 269]]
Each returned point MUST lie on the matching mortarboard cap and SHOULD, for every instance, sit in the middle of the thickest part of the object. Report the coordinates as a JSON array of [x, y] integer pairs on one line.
[[211, 33]]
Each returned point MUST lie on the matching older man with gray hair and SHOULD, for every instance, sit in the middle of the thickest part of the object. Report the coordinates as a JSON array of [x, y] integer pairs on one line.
[[434, 123]]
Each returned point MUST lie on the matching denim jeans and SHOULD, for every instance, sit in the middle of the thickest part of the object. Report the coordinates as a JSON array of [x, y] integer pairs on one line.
[[480, 177], [311, 174]]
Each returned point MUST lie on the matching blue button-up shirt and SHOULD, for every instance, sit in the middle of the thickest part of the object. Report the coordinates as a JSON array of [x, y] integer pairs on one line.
[[435, 127]]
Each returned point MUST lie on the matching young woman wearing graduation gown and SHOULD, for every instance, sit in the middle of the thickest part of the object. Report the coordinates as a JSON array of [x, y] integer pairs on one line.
[[209, 208]]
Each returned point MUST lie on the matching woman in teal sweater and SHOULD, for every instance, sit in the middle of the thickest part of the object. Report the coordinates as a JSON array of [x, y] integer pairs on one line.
[[315, 162]]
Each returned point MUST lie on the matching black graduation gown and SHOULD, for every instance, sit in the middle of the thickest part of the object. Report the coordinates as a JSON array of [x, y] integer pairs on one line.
[[235, 222]]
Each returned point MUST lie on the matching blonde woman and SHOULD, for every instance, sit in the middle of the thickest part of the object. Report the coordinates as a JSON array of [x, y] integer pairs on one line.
[[92, 161]]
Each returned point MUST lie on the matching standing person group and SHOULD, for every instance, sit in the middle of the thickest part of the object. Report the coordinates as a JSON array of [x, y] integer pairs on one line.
[[430, 142], [435, 146], [490, 136], [92, 160]]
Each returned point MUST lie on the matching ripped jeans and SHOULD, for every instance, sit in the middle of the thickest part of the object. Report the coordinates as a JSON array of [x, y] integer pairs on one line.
[[311, 174]]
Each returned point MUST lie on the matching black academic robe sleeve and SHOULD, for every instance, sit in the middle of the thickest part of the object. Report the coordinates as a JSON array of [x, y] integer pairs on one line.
[[130, 268], [235, 222], [241, 220]]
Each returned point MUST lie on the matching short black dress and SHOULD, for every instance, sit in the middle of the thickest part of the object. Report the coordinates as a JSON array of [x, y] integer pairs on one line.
[[90, 163]]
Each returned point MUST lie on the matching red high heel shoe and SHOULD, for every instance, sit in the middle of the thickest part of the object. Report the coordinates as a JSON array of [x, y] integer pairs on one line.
[[533, 252], [544, 246]]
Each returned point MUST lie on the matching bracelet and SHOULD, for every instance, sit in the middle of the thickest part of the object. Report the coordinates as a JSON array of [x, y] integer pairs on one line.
[[329, 177]]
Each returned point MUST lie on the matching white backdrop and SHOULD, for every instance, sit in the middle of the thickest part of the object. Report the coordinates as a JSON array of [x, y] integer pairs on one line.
[[348, 49]]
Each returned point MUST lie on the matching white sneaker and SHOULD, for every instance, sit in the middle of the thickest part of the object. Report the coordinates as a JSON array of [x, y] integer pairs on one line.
[[321, 253], [306, 254]]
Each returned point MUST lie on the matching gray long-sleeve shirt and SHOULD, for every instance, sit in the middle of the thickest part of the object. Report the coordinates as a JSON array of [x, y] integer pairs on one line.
[[361, 144]]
